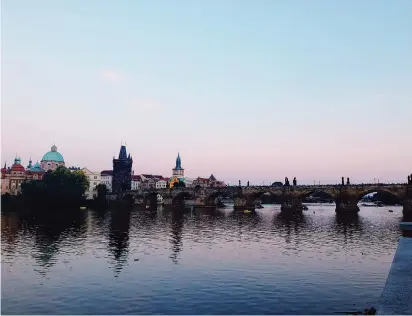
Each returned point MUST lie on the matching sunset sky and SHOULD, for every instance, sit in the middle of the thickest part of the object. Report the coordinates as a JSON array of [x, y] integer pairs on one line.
[[250, 90]]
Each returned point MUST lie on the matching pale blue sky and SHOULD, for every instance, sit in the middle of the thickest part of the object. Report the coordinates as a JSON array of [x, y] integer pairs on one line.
[[250, 90]]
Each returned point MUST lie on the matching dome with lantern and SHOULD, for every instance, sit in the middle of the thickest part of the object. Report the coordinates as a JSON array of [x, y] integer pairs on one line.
[[52, 159], [17, 166]]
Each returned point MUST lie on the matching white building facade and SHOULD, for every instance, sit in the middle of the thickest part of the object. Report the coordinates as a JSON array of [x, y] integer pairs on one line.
[[106, 179], [136, 182], [94, 180], [161, 184]]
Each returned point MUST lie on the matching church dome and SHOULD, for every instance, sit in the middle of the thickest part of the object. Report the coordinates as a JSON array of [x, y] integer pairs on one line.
[[53, 155]]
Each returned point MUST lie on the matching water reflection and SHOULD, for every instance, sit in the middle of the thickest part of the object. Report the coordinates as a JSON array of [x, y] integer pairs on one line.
[[49, 231], [306, 263], [119, 237], [176, 228]]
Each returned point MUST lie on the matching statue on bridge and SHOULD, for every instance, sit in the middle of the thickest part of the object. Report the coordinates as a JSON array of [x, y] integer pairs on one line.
[[410, 179], [247, 183], [343, 180], [347, 181], [240, 183], [294, 182], [287, 184]]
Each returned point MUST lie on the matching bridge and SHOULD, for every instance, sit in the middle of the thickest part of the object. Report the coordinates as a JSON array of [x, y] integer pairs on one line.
[[346, 197]]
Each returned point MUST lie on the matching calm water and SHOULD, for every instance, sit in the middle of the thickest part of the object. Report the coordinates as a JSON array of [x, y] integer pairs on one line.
[[200, 262]]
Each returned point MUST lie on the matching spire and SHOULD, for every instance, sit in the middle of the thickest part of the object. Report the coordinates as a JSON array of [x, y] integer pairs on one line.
[[123, 153], [29, 166], [178, 162]]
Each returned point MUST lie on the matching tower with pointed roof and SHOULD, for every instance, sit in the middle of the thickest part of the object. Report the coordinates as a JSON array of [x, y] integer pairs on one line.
[[122, 172], [178, 171]]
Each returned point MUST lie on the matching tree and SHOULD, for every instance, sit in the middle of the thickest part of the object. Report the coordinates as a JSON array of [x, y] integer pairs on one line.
[[179, 184], [101, 191], [58, 188]]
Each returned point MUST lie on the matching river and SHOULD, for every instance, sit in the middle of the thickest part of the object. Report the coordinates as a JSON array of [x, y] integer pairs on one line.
[[197, 262]]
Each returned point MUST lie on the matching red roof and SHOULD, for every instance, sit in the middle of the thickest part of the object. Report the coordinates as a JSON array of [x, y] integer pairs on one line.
[[203, 179], [18, 167], [106, 173], [136, 178], [150, 176]]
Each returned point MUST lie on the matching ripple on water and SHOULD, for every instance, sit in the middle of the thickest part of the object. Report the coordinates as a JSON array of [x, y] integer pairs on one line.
[[207, 262]]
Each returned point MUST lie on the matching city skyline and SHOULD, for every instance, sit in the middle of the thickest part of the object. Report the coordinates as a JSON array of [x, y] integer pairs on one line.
[[250, 91]]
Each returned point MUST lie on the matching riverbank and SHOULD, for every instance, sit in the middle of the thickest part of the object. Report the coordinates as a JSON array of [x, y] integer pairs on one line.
[[396, 297]]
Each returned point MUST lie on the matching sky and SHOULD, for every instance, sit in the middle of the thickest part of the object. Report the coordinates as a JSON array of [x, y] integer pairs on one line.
[[247, 90]]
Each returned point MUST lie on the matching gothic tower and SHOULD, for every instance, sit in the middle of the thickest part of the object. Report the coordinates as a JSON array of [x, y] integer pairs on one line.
[[178, 171], [122, 172]]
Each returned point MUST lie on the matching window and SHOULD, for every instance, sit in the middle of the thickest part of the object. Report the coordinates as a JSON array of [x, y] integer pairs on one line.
[[95, 177]]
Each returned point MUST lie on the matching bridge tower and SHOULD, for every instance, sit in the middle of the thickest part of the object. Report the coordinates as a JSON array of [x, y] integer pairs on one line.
[[122, 172], [178, 171]]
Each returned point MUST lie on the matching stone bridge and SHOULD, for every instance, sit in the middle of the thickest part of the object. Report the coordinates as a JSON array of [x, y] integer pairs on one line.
[[346, 197]]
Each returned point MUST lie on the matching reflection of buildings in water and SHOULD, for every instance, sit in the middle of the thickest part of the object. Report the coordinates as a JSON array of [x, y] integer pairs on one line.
[[9, 232], [119, 237], [176, 234], [50, 230]]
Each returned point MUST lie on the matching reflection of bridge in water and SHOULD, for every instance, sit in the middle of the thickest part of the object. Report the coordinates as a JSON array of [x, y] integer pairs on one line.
[[346, 197]]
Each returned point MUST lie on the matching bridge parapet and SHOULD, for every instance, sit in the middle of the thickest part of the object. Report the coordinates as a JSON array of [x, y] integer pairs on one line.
[[344, 195]]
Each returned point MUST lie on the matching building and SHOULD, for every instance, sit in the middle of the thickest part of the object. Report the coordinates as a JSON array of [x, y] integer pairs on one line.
[[94, 180], [106, 179], [214, 183], [122, 172], [178, 174], [202, 182], [189, 182], [161, 184], [148, 181], [208, 182], [178, 171], [12, 178], [52, 159], [136, 182], [35, 172]]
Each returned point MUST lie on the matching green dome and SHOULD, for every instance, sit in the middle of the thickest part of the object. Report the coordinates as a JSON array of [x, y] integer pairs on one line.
[[53, 155]]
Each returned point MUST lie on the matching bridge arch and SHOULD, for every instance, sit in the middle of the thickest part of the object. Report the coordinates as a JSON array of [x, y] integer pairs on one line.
[[152, 197], [395, 195], [317, 191], [312, 192], [253, 196], [179, 198], [211, 198]]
